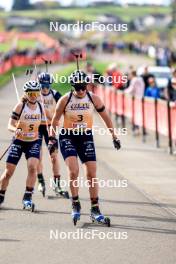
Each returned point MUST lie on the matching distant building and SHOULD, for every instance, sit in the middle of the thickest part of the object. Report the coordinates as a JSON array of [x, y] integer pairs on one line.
[[23, 23], [152, 21], [102, 2]]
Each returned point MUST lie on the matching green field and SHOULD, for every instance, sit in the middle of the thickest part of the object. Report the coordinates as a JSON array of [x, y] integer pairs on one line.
[[22, 44], [91, 13], [7, 77]]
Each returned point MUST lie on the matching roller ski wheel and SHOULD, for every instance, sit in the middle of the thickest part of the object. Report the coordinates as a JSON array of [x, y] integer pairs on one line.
[[97, 217], [76, 213], [42, 188], [60, 192], [28, 205]]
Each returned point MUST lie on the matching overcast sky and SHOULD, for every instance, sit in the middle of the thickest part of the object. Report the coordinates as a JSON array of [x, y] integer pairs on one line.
[[8, 3]]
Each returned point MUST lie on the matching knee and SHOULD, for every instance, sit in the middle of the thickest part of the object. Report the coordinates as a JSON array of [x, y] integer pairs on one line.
[[8, 174], [54, 159], [32, 169], [91, 174], [73, 173]]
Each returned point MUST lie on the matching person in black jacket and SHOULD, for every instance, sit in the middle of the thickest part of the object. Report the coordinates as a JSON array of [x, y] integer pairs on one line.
[[171, 88]]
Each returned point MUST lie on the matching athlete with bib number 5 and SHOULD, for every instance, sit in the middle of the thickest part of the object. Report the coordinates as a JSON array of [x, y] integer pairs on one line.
[[24, 122], [77, 108]]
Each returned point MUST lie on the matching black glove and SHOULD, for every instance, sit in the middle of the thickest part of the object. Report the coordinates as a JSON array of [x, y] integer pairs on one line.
[[117, 144], [53, 144]]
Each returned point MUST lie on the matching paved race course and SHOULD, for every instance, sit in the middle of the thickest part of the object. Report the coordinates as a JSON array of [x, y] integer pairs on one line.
[[145, 231]]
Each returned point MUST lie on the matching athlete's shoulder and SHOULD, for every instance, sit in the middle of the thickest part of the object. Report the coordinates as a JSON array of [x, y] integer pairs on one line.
[[66, 96], [18, 107], [94, 96], [56, 94]]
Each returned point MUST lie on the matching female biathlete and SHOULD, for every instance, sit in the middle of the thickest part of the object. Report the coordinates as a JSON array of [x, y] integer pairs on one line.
[[77, 108], [24, 122], [49, 99]]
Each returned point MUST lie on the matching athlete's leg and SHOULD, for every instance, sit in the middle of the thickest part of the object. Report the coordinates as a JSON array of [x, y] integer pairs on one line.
[[55, 164], [14, 155], [73, 170], [32, 164], [4, 180], [6, 175], [90, 167], [93, 189], [40, 165], [41, 180]]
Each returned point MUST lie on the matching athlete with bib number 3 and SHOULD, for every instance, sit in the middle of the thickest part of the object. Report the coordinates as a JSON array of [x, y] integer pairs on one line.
[[77, 108]]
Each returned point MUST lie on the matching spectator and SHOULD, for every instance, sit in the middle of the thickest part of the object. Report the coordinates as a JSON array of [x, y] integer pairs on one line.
[[137, 85], [145, 76], [152, 90], [117, 77], [171, 90], [136, 89]]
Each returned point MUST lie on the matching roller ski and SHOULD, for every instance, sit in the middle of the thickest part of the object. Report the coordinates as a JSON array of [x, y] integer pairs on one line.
[[58, 190], [41, 185], [97, 217], [76, 212], [27, 202]]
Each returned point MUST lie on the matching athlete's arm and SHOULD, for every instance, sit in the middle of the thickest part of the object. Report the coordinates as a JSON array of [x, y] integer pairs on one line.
[[104, 115], [15, 117], [48, 114], [60, 107]]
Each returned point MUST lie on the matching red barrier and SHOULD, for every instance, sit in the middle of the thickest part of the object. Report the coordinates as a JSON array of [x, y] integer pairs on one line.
[[128, 106], [138, 112], [114, 103], [5, 66], [119, 98], [162, 117], [113, 96]]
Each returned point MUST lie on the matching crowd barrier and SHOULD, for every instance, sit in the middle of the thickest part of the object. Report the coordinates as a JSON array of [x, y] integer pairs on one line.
[[148, 113]]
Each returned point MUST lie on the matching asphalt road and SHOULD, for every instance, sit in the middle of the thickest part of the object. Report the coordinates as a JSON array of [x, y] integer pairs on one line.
[[144, 232]]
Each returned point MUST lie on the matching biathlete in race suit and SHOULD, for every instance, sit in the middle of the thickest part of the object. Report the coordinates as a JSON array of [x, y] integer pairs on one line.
[[24, 122], [76, 138], [49, 100]]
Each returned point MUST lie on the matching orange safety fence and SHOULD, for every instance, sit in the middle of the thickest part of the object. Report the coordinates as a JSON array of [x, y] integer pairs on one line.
[[147, 112]]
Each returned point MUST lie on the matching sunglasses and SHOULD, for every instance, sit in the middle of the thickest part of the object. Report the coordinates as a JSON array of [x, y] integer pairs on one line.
[[36, 94], [47, 86], [80, 88]]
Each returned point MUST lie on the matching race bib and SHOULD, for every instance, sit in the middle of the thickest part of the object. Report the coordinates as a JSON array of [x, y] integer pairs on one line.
[[79, 125]]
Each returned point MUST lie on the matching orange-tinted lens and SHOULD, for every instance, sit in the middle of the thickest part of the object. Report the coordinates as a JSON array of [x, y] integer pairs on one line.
[[36, 94]]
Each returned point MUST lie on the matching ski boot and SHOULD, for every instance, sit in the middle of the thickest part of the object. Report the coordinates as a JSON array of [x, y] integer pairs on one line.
[[58, 190], [27, 201], [96, 216], [41, 184], [76, 212]]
